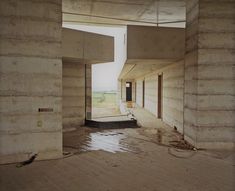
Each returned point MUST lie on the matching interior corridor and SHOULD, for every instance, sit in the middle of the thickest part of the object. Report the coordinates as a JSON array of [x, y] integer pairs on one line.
[[170, 122]]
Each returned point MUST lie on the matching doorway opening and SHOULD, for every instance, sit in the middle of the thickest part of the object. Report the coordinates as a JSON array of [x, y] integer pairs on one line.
[[143, 94], [159, 107], [104, 91], [128, 91], [103, 76], [135, 91]]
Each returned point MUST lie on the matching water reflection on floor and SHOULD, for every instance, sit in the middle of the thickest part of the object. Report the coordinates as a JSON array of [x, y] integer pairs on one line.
[[107, 141], [120, 140], [91, 139]]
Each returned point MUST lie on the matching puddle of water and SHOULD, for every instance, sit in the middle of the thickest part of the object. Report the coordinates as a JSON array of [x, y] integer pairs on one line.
[[107, 140], [87, 139], [167, 138]]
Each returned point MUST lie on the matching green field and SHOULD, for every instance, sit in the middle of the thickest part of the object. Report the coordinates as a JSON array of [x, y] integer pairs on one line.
[[104, 99]]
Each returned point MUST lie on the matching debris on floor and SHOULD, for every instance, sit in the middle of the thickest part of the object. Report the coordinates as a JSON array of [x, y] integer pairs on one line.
[[27, 162]]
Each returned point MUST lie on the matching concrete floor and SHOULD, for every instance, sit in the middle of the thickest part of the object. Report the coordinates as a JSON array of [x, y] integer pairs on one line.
[[144, 159]]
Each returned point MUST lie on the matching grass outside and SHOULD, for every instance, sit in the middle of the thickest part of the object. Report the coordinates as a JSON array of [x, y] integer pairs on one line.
[[104, 99], [104, 104]]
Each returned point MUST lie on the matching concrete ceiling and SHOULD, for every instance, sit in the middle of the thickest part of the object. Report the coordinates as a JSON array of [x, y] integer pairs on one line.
[[137, 68], [125, 12]]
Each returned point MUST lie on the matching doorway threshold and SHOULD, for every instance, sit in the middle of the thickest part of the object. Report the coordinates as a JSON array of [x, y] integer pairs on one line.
[[112, 122]]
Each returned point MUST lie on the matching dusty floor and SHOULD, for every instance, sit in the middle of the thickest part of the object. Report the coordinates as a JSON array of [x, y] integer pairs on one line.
[[153, 157]]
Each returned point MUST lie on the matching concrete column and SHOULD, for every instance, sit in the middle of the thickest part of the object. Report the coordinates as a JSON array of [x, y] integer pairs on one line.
[[119, 91], [209, 95], [139, 92], [30, 80], [88, 91], [73, 94], [123, 90]]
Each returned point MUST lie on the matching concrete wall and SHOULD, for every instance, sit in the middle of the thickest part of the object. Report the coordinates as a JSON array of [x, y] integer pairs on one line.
[[123, 90], [92, 47], [155, 42], [191, 59], [173, 94], [30, 79], [139, 92], [119, 91], [150, 98], [73, 94], [173, 90], [88, 91], [209, 74]]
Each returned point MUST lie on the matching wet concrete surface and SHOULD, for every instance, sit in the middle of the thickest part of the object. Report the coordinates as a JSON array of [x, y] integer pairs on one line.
[[124, 160], [151, 158], [88, 139]]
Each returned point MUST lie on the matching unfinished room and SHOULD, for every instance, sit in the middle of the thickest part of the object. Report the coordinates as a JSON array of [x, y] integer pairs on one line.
[[117, 95]]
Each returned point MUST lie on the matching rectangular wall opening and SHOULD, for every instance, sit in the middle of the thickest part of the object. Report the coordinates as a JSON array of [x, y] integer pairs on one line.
[[159, 105], [128, 91], [104, 91], [143, 93], [135, 91]]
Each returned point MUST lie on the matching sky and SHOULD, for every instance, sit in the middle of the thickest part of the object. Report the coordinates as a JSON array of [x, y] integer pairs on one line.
[[105, 75]]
